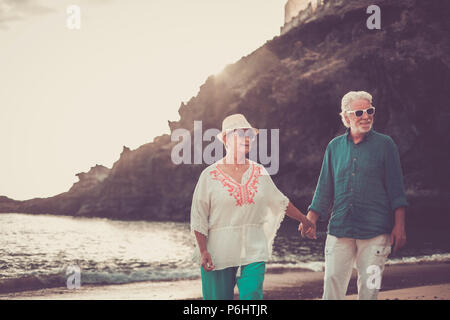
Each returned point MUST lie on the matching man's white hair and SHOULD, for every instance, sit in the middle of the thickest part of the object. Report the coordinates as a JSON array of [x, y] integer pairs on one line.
[[348, 98]]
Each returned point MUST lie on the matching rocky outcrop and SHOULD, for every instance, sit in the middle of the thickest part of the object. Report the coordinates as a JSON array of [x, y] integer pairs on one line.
[[292, 8], [295, 82], [88, 180], [8, 204], [67, 203], [297, 12]]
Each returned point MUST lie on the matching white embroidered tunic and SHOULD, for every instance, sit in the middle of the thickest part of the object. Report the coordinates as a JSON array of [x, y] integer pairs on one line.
[[240, 220]]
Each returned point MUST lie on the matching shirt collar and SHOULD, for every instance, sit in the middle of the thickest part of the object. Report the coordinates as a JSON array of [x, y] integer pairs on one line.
[[365, 138]]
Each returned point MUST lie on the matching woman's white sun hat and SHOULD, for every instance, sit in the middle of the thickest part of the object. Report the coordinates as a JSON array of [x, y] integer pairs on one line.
[[232, 122]]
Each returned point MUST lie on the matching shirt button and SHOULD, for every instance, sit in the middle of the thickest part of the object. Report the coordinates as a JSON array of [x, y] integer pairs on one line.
[[354, 159], [353, 173]]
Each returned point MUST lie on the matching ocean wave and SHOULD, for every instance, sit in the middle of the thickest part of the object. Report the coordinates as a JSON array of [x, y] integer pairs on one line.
[[439, 257], [36, 282], [318, 266], [138, 276], [315, 266]]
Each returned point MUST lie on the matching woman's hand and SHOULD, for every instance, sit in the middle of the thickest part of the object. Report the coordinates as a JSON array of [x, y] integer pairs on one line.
[[207, 263]]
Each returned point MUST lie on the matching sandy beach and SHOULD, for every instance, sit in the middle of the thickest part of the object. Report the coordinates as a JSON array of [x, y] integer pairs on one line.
[[430, 281]]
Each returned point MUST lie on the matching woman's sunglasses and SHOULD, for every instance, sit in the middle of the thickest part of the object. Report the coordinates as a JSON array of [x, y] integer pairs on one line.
[[370, 111], [242, 133]]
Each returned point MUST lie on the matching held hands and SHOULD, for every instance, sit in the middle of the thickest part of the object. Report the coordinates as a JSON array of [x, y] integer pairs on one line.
[[207, 263], [308, 226], [307, 223], [308, 229]]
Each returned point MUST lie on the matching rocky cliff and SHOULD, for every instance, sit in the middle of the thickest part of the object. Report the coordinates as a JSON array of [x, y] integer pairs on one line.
[[295, 82]]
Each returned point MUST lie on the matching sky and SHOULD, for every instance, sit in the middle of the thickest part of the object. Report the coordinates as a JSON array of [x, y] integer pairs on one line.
[[72, 98]]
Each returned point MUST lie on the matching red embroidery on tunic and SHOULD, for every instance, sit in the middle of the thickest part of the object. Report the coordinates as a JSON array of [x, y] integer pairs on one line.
[[243, 194], [252, 189]]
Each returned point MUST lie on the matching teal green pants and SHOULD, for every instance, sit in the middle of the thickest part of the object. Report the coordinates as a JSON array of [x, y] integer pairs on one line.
[[219, 285]]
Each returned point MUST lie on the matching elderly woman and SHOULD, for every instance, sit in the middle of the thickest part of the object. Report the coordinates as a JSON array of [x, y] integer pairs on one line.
[[236, 212]]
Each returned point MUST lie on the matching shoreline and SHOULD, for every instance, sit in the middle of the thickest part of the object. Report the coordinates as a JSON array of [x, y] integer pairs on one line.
[[428, 280]]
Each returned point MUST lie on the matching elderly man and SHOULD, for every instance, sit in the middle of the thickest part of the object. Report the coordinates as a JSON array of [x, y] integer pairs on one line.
[[361, 178]]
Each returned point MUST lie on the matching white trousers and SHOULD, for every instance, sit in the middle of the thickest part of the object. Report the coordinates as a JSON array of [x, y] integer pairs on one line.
[[368, 256]]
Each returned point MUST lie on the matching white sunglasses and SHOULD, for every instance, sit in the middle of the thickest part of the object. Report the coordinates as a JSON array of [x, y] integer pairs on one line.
[[370, 111]]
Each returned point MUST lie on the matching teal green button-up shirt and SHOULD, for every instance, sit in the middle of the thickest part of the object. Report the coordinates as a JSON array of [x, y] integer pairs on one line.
[[362, 183]]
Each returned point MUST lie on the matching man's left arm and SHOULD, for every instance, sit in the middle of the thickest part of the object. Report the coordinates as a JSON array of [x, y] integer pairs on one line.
[[398, 234], [396, 193]]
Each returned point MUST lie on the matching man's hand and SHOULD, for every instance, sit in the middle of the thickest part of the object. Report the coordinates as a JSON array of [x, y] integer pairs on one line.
[[308, 229], [207, 263], [398, 237], [398, 234]]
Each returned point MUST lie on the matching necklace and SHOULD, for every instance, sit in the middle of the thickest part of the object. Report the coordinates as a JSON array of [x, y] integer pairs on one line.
[[235, 167]]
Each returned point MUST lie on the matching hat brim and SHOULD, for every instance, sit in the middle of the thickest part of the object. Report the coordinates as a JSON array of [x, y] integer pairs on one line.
[[221, 134]]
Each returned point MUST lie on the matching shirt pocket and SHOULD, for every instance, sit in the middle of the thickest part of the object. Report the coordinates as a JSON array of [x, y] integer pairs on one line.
[[370, 170], [371, 181]]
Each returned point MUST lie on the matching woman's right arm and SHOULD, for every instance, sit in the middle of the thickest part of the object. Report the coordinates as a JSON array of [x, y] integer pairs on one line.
[[207, 263]]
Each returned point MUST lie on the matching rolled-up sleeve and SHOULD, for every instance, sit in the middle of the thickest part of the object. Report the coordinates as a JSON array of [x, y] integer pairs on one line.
[[324, 194], [200, 207], [393, 177]]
